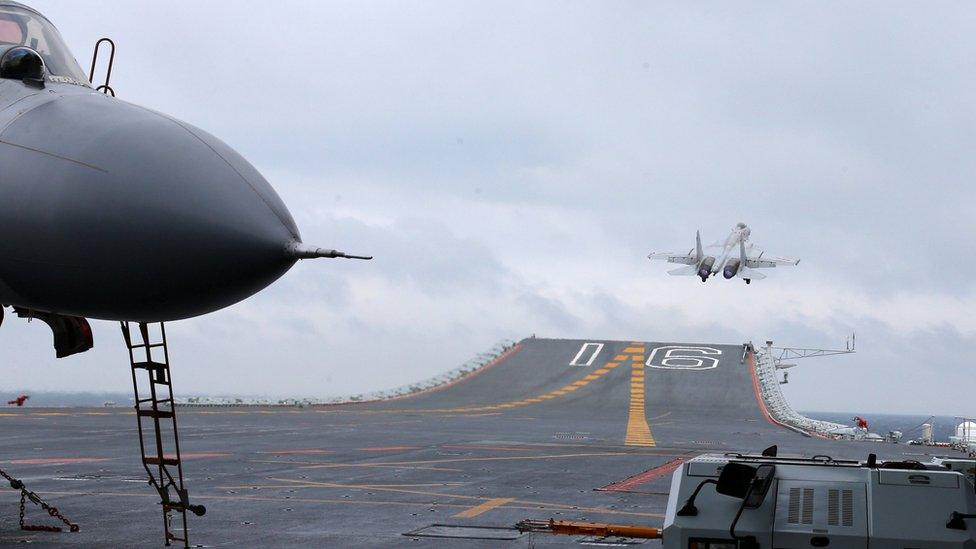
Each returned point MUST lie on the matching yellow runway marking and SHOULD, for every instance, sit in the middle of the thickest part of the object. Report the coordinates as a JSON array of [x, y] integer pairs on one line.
[[638, 431], [635, 352], [483, 508], [562, 391]]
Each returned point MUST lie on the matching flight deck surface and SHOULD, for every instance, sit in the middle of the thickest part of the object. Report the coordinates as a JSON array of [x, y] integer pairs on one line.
[[565, 429]]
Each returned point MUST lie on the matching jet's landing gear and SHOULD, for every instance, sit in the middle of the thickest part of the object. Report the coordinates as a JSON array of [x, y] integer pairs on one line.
[[161, 455], [748, 280]]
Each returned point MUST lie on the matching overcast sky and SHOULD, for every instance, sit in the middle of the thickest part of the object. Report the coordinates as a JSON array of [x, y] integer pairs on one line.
[[511, 164]]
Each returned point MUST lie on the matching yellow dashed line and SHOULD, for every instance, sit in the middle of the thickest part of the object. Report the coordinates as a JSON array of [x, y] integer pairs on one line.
[[635, 352], [638, 431]]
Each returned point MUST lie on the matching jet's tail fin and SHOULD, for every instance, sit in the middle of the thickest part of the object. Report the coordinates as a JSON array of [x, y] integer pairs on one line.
[[699, 253], [690, 270], [742, 253]]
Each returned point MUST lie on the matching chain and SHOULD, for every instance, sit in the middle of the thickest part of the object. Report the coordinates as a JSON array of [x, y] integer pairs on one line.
[[25, 495]]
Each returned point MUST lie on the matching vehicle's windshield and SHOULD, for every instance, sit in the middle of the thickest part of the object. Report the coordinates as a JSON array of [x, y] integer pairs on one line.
[[22, 27]]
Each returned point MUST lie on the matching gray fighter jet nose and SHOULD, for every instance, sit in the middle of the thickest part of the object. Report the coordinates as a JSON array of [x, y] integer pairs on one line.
[[136, 212]]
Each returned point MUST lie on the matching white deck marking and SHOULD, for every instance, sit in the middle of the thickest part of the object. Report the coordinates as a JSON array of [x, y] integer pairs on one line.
[[596, 348], [683, 357]]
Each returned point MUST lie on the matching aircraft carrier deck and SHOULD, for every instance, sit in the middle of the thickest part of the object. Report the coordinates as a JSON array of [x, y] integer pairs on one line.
[[567, 429]]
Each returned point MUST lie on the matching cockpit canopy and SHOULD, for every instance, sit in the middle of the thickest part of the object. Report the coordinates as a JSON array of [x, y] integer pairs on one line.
[[22, 26]]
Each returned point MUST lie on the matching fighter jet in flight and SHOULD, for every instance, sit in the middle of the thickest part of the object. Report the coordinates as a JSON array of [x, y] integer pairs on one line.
[[736, 257]]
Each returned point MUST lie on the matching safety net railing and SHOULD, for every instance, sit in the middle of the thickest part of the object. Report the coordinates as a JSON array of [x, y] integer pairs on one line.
[[777, 405]]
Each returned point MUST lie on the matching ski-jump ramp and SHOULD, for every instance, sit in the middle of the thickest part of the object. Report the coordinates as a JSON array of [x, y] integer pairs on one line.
[[653, 394]]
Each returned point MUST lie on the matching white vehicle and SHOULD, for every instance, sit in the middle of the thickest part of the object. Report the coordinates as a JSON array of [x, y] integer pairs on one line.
[[736, 257], [798, 503]]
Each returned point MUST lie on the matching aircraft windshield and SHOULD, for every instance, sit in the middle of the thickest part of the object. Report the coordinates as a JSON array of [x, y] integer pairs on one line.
[[22, 27]]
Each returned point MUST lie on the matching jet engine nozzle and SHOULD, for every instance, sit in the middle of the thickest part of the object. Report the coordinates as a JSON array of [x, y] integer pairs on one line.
[[705, 269], [731, 268]]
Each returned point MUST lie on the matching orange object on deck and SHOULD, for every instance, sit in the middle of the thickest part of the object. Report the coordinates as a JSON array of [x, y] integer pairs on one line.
[[600, 529]]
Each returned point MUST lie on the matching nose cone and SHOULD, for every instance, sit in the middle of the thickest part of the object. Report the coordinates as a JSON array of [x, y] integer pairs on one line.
[[135, 215]]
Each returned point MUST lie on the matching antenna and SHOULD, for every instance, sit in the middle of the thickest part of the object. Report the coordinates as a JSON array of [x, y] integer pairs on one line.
[[782, 354]]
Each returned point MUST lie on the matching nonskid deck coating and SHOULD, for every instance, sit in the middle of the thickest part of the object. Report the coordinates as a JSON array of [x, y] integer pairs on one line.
[[533, 436]]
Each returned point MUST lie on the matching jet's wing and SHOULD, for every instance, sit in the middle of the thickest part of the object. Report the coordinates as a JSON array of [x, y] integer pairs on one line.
[[763, 261], [672, 257], [693, 256]]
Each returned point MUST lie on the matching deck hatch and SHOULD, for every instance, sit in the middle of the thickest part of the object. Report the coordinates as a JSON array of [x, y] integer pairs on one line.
[[456, 531]]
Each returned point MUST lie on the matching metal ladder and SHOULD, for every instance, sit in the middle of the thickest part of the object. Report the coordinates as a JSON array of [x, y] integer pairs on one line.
[[162, 460]]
